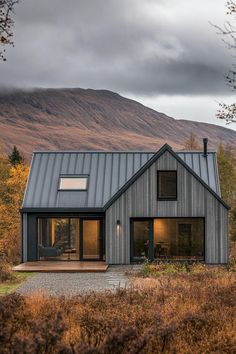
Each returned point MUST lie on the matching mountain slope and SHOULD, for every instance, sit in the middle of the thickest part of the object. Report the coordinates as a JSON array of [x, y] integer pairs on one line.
[[52, 119]]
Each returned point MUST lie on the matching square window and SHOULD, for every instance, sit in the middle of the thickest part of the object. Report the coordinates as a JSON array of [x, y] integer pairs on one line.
[[73, 183], [167, 185]]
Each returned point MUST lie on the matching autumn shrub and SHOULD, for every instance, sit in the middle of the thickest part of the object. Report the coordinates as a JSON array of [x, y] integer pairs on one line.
[[158, 268], [183, 313], [6, 273], [232, 265]]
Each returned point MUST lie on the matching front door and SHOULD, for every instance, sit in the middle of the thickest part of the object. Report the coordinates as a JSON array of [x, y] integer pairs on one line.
[[91, 239]]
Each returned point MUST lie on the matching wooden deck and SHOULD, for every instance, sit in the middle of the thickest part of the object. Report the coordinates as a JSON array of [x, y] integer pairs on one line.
[[61, 266]]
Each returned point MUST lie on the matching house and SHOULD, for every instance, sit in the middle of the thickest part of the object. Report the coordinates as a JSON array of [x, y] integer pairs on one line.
[[124, 207]]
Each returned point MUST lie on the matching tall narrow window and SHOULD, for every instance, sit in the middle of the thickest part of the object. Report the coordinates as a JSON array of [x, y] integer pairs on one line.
[[167, 185], [73, 183]]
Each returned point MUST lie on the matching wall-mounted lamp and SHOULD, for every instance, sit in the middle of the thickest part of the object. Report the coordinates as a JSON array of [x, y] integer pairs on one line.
[[118, 227]]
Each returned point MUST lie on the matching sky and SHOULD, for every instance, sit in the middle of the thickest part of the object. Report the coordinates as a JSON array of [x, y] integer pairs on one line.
[[162, 53]]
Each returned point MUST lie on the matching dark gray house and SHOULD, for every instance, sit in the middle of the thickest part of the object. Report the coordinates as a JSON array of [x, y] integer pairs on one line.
[[124, 207]]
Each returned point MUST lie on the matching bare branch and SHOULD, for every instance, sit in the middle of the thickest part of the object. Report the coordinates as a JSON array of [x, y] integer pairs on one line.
[[227, 112], [6, 24]]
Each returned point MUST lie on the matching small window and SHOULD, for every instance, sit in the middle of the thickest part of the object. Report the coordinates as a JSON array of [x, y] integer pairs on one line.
[[167, 185], [73, 183]]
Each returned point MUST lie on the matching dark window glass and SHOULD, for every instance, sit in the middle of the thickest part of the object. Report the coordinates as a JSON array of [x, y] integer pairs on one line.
[[167, 184], [179, 238], [141, 242]]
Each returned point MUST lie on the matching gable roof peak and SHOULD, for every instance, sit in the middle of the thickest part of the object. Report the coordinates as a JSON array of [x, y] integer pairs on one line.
[[166, 147]]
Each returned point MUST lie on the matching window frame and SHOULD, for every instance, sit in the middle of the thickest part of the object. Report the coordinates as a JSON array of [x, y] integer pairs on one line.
[[73, 189], [176, 188], [151, 237]]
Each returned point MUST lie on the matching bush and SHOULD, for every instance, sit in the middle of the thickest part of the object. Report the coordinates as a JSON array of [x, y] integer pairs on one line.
[[6, 273], [183, 313], [158, 268]]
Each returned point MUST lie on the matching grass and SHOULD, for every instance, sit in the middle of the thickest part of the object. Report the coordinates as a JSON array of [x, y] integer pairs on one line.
[[18, 278], [178, 311]]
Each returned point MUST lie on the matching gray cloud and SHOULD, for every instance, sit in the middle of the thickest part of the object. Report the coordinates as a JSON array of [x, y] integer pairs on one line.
[[142, 47]]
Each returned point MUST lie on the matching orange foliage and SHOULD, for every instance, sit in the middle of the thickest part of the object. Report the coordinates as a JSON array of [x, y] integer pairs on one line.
[[12, 194], [184, 313]]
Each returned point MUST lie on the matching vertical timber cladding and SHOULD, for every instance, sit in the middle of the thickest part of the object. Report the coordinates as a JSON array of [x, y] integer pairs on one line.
[[140, 200]]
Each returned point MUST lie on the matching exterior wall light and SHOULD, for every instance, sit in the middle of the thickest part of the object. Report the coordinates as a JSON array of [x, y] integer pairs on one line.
[[118, 227]]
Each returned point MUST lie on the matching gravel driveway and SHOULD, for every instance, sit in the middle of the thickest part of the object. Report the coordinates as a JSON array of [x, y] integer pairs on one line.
[[70, 284]]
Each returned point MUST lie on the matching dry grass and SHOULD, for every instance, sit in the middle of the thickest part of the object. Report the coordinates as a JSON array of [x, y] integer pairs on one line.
[[9, 280], [157, 269], [183, 313]]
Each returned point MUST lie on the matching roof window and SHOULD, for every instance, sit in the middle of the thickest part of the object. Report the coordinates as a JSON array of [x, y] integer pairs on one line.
[[79, 183]]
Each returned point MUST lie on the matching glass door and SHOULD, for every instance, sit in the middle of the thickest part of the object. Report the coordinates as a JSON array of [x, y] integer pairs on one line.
[[167, 239], [91, 239], [58, 238], [141, 239]]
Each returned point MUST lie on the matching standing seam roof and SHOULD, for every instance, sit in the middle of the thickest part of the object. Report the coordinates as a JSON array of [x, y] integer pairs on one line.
[[108, 172]]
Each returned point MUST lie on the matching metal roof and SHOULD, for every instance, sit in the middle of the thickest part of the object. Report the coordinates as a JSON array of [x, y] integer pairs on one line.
[[108, 172]]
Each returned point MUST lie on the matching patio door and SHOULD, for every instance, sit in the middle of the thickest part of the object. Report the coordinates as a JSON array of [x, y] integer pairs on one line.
[[141, 239], [177, 239], [91, 239]]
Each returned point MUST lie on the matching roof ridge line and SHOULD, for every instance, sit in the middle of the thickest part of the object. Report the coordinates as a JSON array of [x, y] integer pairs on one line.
[[116, 152]]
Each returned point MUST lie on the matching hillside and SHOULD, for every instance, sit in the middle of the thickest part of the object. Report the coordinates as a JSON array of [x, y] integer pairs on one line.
[[52, 119]]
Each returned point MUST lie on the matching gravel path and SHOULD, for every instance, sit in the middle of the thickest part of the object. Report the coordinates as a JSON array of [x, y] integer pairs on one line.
[[70, 284]]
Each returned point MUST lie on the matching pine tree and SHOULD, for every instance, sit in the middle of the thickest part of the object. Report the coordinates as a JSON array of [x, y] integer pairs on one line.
[[15, 157]]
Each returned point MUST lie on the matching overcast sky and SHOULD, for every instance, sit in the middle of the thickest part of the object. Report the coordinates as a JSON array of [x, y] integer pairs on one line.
[[163, 53]]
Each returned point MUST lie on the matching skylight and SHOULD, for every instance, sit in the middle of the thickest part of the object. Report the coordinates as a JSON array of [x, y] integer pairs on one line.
[[73, 183]]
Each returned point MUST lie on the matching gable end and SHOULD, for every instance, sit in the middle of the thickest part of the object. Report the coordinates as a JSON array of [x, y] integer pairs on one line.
[[155, 157]]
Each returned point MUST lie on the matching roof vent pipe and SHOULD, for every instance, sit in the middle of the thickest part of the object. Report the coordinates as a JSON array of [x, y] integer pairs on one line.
[[205, 142]]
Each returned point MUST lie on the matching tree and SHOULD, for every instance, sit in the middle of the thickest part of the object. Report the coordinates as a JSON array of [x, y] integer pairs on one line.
[[15, 157], [191, 143], [4, 172], [6, 24], [228, 111], [10, 203], [227, 172]]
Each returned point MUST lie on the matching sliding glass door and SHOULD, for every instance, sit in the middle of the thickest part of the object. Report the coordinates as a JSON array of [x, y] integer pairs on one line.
[[59, 238], [70, 239], [142, 239], [167, 238]]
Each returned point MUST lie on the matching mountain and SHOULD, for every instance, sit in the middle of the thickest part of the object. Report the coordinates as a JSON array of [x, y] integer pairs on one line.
[[60, 119]]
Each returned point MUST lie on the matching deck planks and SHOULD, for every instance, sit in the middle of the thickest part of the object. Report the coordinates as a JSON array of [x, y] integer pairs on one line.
[[61, 266]]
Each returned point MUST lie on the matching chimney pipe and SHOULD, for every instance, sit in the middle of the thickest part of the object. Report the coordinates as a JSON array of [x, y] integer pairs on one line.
[[205, 142]]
